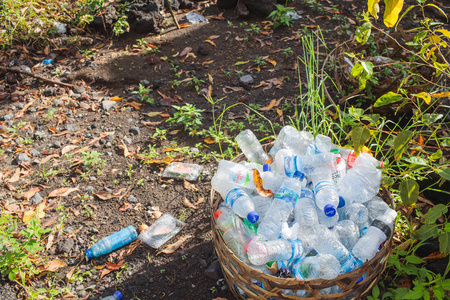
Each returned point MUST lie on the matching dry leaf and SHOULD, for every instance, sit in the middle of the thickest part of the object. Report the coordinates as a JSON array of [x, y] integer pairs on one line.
[[173, 132], [156, 214], [28, 215], [52, 129], [242, 63], [434, 255], [188, 204], [54, 265], [273, 62], [273, 103], [68, 148], [125, 206], [104, 195], [30, 193], [213, 37], [211, 42], [209, 141], [70, 273], [190, 186], [116, 99], [233, 88], [200, 201], [259, 185], [113, 266], [105, 272], [62, 192], [173, 247], [47, 158], [15, 177], [153, 114], [185, 51]]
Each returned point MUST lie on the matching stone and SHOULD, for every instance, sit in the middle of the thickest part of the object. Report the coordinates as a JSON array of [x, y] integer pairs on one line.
[[8, 117], [22, 157], [35, 153], [49, 92], [57, 144], [36, 199], [135, 130], [65, 246], [132, 199], [213, 271], [108, 104], [39, 135], [72, 127], [144, 82], [89, 189], [79, 90], [246, 80], [110, 138], [58, 103]]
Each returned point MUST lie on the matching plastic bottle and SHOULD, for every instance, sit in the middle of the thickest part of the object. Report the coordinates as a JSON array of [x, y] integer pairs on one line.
[[377, 233], [328, 221], [251, 147], [287, 131], [271, 181], [238, 174], [234, 196], [325, 194], [362, 182], [112, 242], [116, 296], [341, 168], [376, 207], [305, 210], [323, 143], [260, 251], [281, 207], [298, 142], [347, 233], [261, 205], [357, 213], [324, 266]]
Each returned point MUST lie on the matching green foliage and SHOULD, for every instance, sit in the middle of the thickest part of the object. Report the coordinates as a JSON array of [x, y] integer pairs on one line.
[[187, 115], [92, 158], [144, 93], [280, 16]]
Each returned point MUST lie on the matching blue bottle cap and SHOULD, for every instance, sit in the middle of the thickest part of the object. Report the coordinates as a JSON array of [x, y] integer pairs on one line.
[[329, 210], [267, 167], [118, 294], [88, 253], [360, 279], [253, 217], [341, 202]]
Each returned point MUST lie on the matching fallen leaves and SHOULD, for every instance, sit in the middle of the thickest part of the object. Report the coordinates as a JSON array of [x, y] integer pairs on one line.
[[188, 204], [211, 42], [54, 265], [272, 104], [174, 247], [259, 185], [110, 266], [62, 192], [27, 195], [233, 89]]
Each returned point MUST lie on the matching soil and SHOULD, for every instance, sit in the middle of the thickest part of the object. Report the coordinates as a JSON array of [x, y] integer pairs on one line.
[[62, 120]]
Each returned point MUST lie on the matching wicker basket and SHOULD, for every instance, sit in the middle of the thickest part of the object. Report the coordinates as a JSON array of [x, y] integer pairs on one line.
[[240, 275]]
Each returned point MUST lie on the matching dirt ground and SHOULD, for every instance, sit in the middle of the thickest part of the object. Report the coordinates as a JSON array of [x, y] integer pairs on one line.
[[57, 122]]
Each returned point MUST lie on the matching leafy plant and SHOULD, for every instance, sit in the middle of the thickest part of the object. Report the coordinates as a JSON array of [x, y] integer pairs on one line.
[[144, 93], [280, 16], [92, 158], [196, 83], [187, 115]]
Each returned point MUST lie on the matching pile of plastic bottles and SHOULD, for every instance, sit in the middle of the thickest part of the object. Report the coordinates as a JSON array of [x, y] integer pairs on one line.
[[324, 218]]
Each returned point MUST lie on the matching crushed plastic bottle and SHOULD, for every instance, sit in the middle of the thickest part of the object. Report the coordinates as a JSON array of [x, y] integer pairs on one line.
[[112, 242], [116, 296], [161, 231], [195, 18], [251, 147]]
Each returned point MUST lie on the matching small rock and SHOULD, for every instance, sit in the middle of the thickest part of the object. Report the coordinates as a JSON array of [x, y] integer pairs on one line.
[[72, 127], [35, 153], [94, 230], [213, 271], [128, 140], [203, 262], [49, 92], [132, 199], [65, 246], [58, 103], [247, 80], [22, 157], [102, 141], [108, 144], [79, 90], [36, 199], [57, 144], [144, 82], [107, 104], [39, 135], [8, 117], [89, 189], [135, 130], [76, 96], [110, 138]]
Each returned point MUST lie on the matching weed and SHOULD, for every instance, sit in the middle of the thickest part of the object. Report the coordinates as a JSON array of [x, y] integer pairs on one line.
[[196, 83], [140, 182], [259, 61], [280, 16], [151, 154], [253, 28], [47, 174], [213, 289], [182, 216], [92, 158], [287, 52], [144, 93], [27, 141], [187, 115], [116, 182], [160, 134], [130, 171]]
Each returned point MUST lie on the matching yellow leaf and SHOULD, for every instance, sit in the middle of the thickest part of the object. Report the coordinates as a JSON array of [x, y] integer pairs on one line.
[[28, 215], [440, 95], [242, 63], [210, 78], [153, 114], [444, 32], [374, 8], [209, 141], [391, 12], [117, 99], [173, 247], [54, 265], [435, 39], [425, 96], [211, 42], [274, 63]]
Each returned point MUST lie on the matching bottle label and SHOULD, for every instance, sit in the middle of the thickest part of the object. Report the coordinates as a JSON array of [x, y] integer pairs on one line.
[[233, 195], [287, 195], [350, 264], [351, 159], [242, 178], [297, 249], [324, 185], [306, 194], [291, 168]]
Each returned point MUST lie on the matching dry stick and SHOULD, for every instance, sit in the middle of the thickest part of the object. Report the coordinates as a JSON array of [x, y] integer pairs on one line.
[[37, 77], [173, 14]]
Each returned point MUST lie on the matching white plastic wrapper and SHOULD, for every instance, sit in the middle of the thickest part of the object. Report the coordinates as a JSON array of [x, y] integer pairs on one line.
[[183, 171], [161, 231]]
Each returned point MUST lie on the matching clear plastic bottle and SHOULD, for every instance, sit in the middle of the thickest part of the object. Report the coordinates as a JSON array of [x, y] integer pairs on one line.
[[271, 180], [281, 207], [347, 233], [298, 142], [376, 207], [362, 182], [357, 213], [305, 210], [325, 193], [260, 251], [323, 143], [116, 296], [238, 174], [112, 242], [251, 147], [261, 205], [287, 131], [328, 221], [324, 266], [341, 168], [377, 233], [234, 196]]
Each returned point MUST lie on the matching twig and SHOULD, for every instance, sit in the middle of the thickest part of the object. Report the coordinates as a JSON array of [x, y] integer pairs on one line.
[[173, 14], [36, 76]]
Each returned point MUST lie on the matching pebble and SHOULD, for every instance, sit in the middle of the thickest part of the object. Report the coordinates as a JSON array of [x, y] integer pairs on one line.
[[49, 92], [72, 127], [65, 246], [22, 157], [144, 82], [8, 117], [58, 103], [39, 134], [132, 199], [94, 230], [36, 199], [128, 140], [135, 130], [247, 79], [57, 144], [110, 137], [79, 90], [107, 104], [89, 189]]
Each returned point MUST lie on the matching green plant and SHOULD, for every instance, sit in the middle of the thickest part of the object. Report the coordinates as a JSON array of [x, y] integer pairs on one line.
[[187, 115], [280, 16], [253, 28], [27, 141], [130, 171], [92, 158], [287, 52], [144, 93], [196, 83], [140, 182], [46, 174], [213, 289], [160, 134], [151, 154], [260, 61]]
